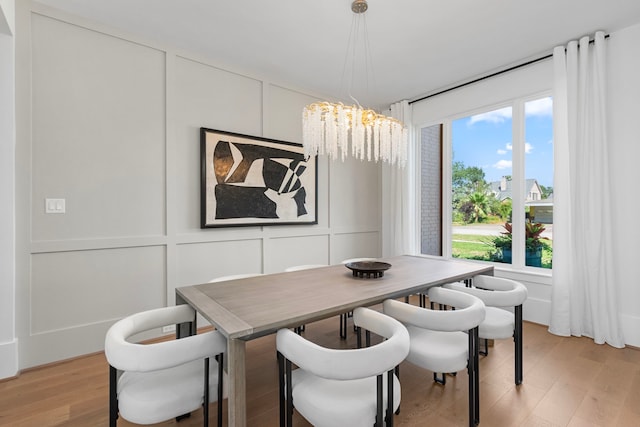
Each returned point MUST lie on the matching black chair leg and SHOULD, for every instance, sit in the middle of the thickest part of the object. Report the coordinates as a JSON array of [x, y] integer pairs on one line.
[[389, 416], [476, 377], [281, 391], [285, 392], [289, 393], [113, 396], [397, 369], [484, 352], [518, 344], [205, 403], [379, 419], [220, 359]]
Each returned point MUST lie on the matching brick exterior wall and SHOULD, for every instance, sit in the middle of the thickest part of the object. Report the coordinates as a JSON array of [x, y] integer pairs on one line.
[[431, 204]]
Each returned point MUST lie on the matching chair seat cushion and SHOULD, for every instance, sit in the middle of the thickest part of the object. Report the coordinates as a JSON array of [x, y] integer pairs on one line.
[[438, 351], [151, 397], [497, 324], [333, 403]]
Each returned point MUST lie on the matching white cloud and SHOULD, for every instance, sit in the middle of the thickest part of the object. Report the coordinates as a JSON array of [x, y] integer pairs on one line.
[[502, 152], [496, 116], [539, 107], [527, 147], [503, 164]]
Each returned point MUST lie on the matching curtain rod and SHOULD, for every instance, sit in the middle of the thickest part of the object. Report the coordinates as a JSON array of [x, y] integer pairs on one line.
[[497, 73]]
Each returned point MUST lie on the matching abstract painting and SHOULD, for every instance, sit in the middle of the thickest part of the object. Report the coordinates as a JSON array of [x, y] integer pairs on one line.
[[252, 181]]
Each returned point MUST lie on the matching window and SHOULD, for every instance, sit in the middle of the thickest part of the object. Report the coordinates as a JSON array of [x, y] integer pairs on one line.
[[538, 167], [501, 162]]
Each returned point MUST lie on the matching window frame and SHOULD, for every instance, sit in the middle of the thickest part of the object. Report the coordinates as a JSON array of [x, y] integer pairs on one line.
[[518, 169]]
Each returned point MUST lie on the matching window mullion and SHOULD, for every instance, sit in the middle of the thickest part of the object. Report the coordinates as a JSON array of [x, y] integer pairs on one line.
[[447, 211], [518, 182]]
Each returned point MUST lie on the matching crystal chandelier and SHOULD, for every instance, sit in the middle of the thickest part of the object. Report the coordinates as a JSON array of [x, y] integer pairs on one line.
[[328, 127]]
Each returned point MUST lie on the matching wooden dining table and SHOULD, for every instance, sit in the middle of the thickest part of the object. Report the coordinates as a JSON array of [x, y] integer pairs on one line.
[[245, 309]]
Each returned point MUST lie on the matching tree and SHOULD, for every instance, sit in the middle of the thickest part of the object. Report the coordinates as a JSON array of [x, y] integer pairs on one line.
[[504, 209], [469, 178], [480, 202], [466, 180], [499, 208], [546, 191]]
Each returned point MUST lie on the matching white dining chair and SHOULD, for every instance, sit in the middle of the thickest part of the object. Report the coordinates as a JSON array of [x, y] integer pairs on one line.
[[304, 267], [498, 294], [151, 383], [444, 341], [354, 387]]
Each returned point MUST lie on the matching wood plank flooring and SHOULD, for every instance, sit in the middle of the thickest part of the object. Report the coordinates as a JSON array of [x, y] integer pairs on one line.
[[567, 382]]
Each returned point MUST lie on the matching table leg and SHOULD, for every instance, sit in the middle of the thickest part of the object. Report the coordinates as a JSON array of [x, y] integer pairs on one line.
[[237, 383]]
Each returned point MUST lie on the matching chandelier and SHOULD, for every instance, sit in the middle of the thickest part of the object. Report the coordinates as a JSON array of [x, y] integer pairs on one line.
[[327, 128]]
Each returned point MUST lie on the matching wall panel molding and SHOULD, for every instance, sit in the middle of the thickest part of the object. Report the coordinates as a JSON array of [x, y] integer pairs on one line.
[[76, 270]]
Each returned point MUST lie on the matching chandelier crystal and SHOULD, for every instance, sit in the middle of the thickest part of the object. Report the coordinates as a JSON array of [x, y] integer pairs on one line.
[[328, 128]]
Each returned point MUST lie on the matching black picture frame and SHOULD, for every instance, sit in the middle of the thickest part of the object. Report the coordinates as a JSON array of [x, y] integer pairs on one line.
[[254, 181]]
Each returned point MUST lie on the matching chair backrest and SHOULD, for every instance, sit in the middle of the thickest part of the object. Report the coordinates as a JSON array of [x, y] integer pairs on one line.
[[469, 311], [494, 291], [304, 267], [234, 277], [128, 356], [350, 364]]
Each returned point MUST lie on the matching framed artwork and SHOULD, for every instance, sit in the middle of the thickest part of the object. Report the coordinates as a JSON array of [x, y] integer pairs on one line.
[[250, 181]]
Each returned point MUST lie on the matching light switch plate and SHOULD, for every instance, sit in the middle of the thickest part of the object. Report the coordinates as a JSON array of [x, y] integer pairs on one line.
[[55, 206]]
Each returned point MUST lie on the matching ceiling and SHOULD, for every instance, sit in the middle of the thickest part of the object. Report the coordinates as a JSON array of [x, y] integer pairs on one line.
[[416, 46]]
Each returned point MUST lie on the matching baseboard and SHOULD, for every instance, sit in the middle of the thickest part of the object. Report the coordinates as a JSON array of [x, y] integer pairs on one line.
[[9, 359], [631, 329], [537, 311]]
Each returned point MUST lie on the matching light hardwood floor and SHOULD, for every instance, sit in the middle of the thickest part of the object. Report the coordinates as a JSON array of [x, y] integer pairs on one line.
[[567, 382]]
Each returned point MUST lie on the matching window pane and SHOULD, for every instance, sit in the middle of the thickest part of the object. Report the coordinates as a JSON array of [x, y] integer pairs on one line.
[[481, 185], [431, 184], [539, 182]]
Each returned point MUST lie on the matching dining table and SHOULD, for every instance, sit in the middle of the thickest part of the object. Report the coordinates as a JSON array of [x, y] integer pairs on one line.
[[249, 308]]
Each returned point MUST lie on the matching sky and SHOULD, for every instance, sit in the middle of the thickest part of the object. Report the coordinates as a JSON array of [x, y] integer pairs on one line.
[[485, 140]]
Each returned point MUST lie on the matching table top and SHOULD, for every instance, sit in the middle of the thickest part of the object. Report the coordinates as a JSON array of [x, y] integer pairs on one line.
[[260, 305]]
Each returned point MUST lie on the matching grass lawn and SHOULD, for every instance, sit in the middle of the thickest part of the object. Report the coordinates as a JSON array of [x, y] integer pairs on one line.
[[471, 246], [478, 247]]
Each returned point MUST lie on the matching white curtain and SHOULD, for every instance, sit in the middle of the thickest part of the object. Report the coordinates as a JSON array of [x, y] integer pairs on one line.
[[397, 197], [585, 291]]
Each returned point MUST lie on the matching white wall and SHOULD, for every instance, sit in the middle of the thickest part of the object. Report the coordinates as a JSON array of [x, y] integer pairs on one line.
[[8, 342], [111, 124], [624, 92], [7, 17]]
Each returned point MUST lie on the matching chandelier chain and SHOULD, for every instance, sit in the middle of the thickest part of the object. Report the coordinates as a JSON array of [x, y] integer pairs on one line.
[[328, 128]]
